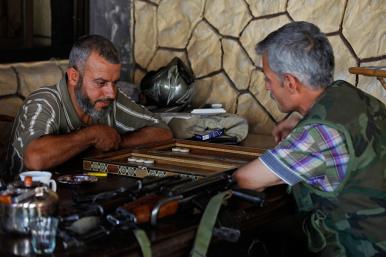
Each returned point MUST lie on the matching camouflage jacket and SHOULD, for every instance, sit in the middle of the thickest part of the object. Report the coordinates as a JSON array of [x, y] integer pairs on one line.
[[350, 221]]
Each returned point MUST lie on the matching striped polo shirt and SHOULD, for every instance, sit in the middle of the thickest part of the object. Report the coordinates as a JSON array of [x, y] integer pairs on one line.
[[49, 111]]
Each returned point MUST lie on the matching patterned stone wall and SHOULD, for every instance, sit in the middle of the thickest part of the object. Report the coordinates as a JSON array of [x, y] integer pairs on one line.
[[216, 38]]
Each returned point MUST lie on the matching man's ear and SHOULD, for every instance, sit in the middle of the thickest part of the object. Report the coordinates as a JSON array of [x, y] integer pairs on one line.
[[291, 83], [72, 75]]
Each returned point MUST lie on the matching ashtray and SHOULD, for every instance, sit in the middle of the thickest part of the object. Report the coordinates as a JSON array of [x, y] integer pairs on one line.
[[76, 179]]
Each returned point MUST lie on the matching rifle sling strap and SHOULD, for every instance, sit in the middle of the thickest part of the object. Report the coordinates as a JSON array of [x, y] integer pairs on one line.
[[143, 241], [208, 220]]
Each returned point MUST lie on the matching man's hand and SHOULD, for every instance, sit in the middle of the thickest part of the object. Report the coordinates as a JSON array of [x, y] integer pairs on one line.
[[105, 138], [284, 127], [145, 135]]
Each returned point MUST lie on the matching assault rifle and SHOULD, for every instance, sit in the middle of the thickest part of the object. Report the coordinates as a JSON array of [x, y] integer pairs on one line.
[[159, 199], [100, 203], [151, 207], [92, 207]]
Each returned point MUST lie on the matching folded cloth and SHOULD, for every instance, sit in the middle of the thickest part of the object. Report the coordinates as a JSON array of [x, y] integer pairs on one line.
[[233, 125]]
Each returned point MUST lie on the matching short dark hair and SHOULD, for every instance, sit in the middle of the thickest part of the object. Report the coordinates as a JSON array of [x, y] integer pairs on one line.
[[301, 49], [82, 49]]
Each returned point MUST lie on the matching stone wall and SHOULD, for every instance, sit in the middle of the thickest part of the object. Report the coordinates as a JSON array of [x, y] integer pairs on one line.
[[217, 39]]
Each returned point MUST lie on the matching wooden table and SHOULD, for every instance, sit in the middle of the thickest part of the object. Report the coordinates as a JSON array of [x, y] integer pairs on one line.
[[173, 236]]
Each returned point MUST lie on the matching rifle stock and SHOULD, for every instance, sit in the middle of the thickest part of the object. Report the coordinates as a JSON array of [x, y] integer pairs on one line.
[[152, 207], [143, 207], [108, 201]]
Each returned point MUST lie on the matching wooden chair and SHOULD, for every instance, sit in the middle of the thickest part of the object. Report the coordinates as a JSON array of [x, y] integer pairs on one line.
[[373, 71]]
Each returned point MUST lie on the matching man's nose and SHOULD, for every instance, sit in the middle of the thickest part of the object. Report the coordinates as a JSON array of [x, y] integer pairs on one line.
[[110, 90]]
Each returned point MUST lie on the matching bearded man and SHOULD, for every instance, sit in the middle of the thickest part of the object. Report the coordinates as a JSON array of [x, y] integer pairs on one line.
[[85, 109]]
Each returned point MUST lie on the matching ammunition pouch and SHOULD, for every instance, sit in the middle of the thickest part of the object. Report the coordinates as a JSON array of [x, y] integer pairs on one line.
[[320, 238]]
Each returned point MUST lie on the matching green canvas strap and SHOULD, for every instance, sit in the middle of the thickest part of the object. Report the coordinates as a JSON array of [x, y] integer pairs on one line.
[[143, 241], [208, 220]]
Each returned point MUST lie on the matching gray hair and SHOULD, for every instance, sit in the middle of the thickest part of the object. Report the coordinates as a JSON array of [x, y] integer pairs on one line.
[[301, 49], [82, 49]]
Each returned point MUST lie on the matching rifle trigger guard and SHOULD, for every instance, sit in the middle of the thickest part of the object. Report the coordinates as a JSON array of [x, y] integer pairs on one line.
[[140, 185], [121, 218], [157, 207]]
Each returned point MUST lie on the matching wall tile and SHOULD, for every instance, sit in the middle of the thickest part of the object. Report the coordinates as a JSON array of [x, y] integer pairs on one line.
[[229, 17], [343, 60], [204, 50], [326, 14], [163, 57], [176, 20], [237, 64], [364, 26], [216, 89], [258, 120], [266, 7], [145, 33]]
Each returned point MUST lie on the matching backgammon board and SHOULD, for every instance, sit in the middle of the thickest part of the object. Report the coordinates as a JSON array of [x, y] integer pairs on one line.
[[176, 157]]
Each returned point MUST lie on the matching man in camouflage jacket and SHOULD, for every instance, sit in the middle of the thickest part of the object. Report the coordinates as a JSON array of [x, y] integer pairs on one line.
[[333, 154]]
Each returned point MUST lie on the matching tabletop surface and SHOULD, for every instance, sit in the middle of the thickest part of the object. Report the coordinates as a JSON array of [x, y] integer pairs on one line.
[[172, 236]]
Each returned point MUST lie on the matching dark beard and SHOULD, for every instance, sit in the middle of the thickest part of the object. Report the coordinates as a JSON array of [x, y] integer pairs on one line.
[[87, 106]]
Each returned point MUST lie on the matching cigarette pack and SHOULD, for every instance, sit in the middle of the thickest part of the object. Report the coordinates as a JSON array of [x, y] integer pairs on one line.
[[209, 134]]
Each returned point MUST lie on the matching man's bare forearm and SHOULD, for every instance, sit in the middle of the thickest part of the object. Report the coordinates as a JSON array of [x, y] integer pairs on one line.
[[52, 150], [145, 136], [256, 176]]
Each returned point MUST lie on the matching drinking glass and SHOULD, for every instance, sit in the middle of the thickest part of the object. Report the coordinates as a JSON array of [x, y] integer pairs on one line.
[[43, 231]]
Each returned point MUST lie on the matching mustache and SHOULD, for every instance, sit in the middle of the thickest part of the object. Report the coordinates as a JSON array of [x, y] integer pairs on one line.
[[105, 100]]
